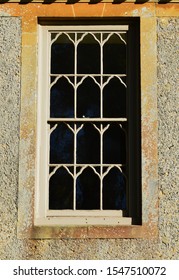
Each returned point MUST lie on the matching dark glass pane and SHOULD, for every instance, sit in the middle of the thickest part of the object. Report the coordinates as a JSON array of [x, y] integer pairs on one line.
[[114, 190], [114, 145], [88, 145], [114, 99], [88, 99], [61, 145], [61, 190], [62, 100], [88, 56], [114, 56], [88, 190], [62, 56]]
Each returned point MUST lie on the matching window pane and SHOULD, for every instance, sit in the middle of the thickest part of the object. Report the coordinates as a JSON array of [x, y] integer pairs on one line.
[[88, 56], [62, 99], [114, 99], [114, 56], [88, 190], [88, 145], [62, 56], [88, 99], [114, 190], [114, 146], [61, 145], [61, 190]]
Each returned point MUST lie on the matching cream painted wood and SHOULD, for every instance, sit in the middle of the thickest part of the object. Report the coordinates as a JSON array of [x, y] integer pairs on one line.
[[44, 216]]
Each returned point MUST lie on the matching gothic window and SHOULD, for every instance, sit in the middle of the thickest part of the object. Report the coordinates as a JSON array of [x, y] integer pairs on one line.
[[89, 158]]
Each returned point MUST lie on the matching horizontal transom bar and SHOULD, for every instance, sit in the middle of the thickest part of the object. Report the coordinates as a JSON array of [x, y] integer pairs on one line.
[[81, 165], [89, 74], [56, 120]]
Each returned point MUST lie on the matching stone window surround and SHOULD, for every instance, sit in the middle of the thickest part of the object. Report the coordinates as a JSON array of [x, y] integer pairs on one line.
[[27, 167]]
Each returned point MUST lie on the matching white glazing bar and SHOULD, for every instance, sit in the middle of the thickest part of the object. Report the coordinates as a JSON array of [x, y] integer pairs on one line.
[[81, 165], [61, 76], [87, 120], [74, 178], [75, 76], [101, 167], [81, 28], [87, 75], [101, 48], [47, 116], [101, 125], [57, 167]]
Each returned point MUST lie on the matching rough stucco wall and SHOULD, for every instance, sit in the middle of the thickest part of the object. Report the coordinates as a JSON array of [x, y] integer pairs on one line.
[[10, 39], [166, 246], [168, 108]]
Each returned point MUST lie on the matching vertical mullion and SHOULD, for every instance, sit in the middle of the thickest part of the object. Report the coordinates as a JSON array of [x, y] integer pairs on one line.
[[101, 75], [49, 43], [101, 125]]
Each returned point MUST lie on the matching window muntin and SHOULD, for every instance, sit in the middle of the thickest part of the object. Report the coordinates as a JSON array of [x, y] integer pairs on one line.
[[86, 120]]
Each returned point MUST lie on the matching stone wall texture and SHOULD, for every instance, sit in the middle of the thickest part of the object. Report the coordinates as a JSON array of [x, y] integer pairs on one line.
[[167, 245]]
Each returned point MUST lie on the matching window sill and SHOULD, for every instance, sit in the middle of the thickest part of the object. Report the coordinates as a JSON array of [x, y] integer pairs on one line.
[[83, 221], [55, 232]]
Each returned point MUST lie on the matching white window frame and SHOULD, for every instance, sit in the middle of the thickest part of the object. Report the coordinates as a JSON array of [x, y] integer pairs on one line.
[[43, 216]]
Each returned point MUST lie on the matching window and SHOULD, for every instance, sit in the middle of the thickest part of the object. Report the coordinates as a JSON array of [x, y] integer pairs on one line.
[[89, 125]]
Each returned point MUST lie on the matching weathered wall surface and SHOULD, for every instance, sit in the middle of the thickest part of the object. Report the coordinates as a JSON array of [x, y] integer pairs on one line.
[[168, 108], [168, 91], [10, 47]]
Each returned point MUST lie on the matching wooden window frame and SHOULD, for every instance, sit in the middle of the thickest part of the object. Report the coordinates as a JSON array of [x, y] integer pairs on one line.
[[45, 216]]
